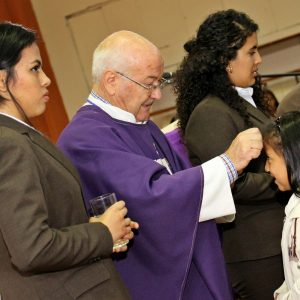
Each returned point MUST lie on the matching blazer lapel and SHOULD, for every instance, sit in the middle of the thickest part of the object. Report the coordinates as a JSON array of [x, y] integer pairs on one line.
[[38, 139], [257, 115]]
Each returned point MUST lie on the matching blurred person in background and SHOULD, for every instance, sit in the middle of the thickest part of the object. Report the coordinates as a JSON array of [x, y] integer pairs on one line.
[[290, 102]]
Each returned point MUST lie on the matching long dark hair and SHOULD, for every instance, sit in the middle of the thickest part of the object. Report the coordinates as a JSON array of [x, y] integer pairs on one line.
[[283, 136], [13, 39], [203, 70]]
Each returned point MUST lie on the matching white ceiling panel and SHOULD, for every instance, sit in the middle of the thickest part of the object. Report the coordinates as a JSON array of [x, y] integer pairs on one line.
[[162, 21], [286, 13], [86, 30], [259, 11], [195, 12], [123, 15]]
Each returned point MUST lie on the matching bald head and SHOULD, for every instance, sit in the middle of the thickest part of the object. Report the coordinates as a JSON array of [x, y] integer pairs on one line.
[[121, 51]]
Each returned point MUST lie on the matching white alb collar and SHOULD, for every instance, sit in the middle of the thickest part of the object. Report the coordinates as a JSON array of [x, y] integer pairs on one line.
[[113, 111]]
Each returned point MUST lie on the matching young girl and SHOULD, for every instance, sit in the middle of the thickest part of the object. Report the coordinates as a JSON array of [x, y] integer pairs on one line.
[[282, 145]]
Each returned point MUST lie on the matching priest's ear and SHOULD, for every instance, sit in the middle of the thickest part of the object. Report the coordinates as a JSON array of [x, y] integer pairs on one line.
[[110, 81]]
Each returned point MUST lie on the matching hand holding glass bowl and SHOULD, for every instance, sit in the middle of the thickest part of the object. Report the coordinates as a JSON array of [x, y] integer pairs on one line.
[[114, 219]]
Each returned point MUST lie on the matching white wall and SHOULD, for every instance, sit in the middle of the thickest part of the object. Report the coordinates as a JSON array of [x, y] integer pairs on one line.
[[73, 28]]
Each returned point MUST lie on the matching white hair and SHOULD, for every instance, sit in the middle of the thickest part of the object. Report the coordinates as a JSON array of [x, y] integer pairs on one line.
[[104, 59], [118, 51]]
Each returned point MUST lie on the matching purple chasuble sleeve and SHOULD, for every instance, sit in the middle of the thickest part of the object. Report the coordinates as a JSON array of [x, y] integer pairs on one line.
[[120, 157], [176, 142]]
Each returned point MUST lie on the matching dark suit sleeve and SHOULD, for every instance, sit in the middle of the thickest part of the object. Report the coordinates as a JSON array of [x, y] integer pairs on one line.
[[210, 131], [35, 245]]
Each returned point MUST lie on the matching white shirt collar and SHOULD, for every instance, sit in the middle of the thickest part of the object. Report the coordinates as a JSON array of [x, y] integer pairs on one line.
[[246, 93], [9, 116], [113, 111]]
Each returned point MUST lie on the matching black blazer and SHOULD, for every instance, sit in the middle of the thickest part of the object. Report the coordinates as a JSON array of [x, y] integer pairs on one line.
[[256, 231], [47, 248]]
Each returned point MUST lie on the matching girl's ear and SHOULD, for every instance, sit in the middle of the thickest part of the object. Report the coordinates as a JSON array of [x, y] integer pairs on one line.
[[3, 86], [4, 93]]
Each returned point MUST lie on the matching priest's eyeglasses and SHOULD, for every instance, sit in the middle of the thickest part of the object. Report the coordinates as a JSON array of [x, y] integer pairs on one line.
[[150, 87]]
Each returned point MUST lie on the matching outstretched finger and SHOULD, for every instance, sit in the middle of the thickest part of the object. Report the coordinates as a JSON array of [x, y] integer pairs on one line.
[[134, 225]]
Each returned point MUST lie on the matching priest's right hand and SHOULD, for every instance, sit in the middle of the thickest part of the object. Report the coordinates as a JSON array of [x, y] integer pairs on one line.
[[246, 146]]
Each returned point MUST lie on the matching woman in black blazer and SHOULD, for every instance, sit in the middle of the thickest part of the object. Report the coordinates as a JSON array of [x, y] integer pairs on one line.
[[49, 249], [219, 96]]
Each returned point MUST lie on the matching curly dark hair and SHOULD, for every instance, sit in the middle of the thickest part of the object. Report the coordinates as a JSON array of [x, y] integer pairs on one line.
[[203, 70]]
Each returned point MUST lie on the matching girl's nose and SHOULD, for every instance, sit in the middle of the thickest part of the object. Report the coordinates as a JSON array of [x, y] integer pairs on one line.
[[45, 80]]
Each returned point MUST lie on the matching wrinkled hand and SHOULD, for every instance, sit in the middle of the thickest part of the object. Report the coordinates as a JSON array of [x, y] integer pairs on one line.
[[119, 226], [246, 146]]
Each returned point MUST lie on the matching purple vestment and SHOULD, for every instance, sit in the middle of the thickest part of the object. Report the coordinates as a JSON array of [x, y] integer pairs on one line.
[[173, 256], [176, 142]]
